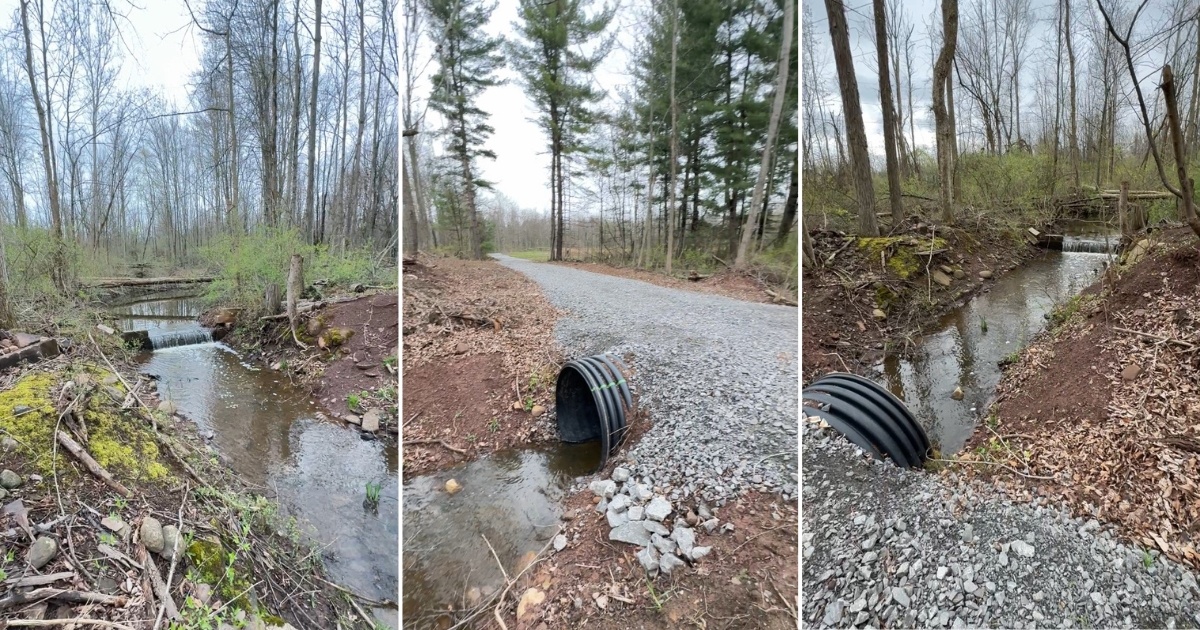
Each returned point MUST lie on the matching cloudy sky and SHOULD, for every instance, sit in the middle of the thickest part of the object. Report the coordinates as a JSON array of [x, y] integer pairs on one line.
[[159, 47], [521, 168]]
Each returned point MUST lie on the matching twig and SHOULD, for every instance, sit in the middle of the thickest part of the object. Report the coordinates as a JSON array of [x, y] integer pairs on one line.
[[442, 442], [117, 373], [38, 623], [91, 464], [160, 587], [498, 563], [735, 549], [74, 597], [536, 559], [1147, 335], [1002, 465], [38, 580]]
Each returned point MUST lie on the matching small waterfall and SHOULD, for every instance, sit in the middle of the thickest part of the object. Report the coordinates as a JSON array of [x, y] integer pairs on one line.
[[175, 338], [1091, 245]]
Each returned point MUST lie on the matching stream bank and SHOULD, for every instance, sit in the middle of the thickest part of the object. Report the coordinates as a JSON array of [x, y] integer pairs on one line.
[[89, 547]]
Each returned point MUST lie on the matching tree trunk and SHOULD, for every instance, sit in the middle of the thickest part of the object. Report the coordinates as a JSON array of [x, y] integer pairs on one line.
[[941, 114], [1073, 137], [856, 134], [410, 213], [1185, 192], [890, 131], [235, 158], [674, 136], [295, 286], [789, 207], [309, 196]]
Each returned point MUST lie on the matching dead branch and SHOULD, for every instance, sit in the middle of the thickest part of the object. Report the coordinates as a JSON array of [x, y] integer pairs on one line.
[[442, 442], [80, 621], [72, 597], [1170, 340], [138, 282], [91, 464], [38, 580]]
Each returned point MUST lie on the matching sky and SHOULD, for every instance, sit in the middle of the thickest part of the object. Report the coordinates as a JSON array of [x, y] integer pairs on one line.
[[160, 47], [521, 170]]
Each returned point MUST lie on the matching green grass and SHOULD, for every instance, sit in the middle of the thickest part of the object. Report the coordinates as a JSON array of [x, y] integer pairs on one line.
[[536, 255]]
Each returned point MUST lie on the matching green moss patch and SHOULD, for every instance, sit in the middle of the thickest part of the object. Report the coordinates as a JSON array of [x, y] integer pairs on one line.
[[33, 428], [214, 566], [903, 254]]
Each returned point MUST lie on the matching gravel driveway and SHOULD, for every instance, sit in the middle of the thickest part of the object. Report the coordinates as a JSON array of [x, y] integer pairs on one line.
[[889, 547], [718, 375]]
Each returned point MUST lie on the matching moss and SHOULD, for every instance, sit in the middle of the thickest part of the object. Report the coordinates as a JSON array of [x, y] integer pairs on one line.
[[33, 430], [208, 557], [885, 297], [903, 253], [121, 444]]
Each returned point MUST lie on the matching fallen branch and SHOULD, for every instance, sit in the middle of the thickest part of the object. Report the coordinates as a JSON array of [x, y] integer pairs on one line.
[[496, 611], [1170, 340], [38, 580], [775, 297], [72, 597], [91, 464], [160, 587], [38, 623], [442, 442], [138, 282]]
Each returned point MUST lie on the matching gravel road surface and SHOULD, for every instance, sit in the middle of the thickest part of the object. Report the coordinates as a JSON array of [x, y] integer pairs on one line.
[[885, 547], [718, 375]]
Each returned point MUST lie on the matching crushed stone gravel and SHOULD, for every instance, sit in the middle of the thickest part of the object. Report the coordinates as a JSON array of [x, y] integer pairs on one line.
[[947, 553]]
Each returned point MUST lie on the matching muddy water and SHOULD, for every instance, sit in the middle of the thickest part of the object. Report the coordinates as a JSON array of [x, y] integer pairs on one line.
[[960, 352], [270, 432], [511, 497]]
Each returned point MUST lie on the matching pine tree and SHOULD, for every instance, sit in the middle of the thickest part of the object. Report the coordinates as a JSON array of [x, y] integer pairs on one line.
[[468, 60], [557, 75]]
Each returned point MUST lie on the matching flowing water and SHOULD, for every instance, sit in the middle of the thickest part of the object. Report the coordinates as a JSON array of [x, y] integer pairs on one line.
[[513, 498], [965, 348], [273, 435]]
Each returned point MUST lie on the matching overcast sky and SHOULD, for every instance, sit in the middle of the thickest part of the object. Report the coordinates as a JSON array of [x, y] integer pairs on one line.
[[159, 49], [521, 170]]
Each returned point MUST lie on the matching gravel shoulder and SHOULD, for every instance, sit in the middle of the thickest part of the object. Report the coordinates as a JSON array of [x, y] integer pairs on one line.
[[886, 547]]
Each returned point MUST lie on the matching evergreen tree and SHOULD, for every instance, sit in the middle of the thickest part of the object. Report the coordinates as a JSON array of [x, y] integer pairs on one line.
[[557, 75], [468, 60]]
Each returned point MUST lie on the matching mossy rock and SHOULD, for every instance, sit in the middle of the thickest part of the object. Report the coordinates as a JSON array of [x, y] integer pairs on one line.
[[207, 556], [903, 254], [335, 337]]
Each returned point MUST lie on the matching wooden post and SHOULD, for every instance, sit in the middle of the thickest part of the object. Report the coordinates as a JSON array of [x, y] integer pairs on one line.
[[1122, 218], [295, 286]]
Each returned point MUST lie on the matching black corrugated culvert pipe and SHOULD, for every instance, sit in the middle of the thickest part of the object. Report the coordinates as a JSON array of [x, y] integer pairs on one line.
[[592, 400], [869, 416]]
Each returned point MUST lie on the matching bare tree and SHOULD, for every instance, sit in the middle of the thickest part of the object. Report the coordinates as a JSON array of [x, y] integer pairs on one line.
[[942, 116], [860, 162], [890, 131]]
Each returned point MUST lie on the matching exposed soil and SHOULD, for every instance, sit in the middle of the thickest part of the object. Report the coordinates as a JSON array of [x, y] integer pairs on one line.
[[840, 330], [479, 362], [99, 572], [349, 377], [1100, 411], [747, 285], [749, 580]]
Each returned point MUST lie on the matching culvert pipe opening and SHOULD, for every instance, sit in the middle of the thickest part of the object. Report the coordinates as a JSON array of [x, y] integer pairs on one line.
[[592, 402], [868, 415]]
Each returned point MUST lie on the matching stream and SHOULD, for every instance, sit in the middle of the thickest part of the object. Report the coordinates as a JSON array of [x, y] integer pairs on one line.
[[274, 436], [511, 497], [965, 348]]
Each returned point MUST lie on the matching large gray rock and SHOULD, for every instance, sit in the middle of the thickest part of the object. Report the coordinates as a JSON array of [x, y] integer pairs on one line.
[[686, 539], [630, 532], [560, 542], [42, 552], [615, 519], [618, 503], [9, 479], [605, 488], [655, 527], [620, 475], [371, 420], [152, 534], [668, 563], [658, 509], [648, 559], [172, 542]]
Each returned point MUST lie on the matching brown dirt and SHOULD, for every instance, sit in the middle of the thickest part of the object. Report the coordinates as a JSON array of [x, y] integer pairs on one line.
[[1119, 446], [839, 332], [478, 339], [734, 284], [748, 581]]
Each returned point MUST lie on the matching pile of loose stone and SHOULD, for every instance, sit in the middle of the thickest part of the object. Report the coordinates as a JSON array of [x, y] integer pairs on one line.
[[638, 516]]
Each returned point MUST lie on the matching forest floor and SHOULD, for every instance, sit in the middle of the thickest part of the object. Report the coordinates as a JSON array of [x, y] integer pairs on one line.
[[481, 356], [873, 296], [349, 363], [90, 536], [480, 362], [1100, 411]]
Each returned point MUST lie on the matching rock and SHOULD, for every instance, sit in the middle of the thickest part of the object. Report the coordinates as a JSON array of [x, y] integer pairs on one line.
[[615, 519], [685, 538], [371, 420], [109, 380], [560, 542], [630, 532], [151, 533], [636, 513], [900, 596], [517, 406], [116, 525], [20, 410], [668, 563], [959, 274], [664, 545], [42, 552], [9, 479], [985, 274], [659, 509], [1022, 548], [358, 287], [700, 552], [648, 559], [941, 278], [605, 489], [24, 340], [655, 527], [172, 544], [352, 419], [620, 475], [202, 592], [968, 532], [105, 329], [619, 503], [833, 613], [1097, 599], [167, 407], [957, 394], [602, 602], [711, 525], [474, 596], [537, 411], [947, 269], [878, 314], [1131, 372], [461, 348], [7, 443], [529, 600], [452, 486], [1138, 252]]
